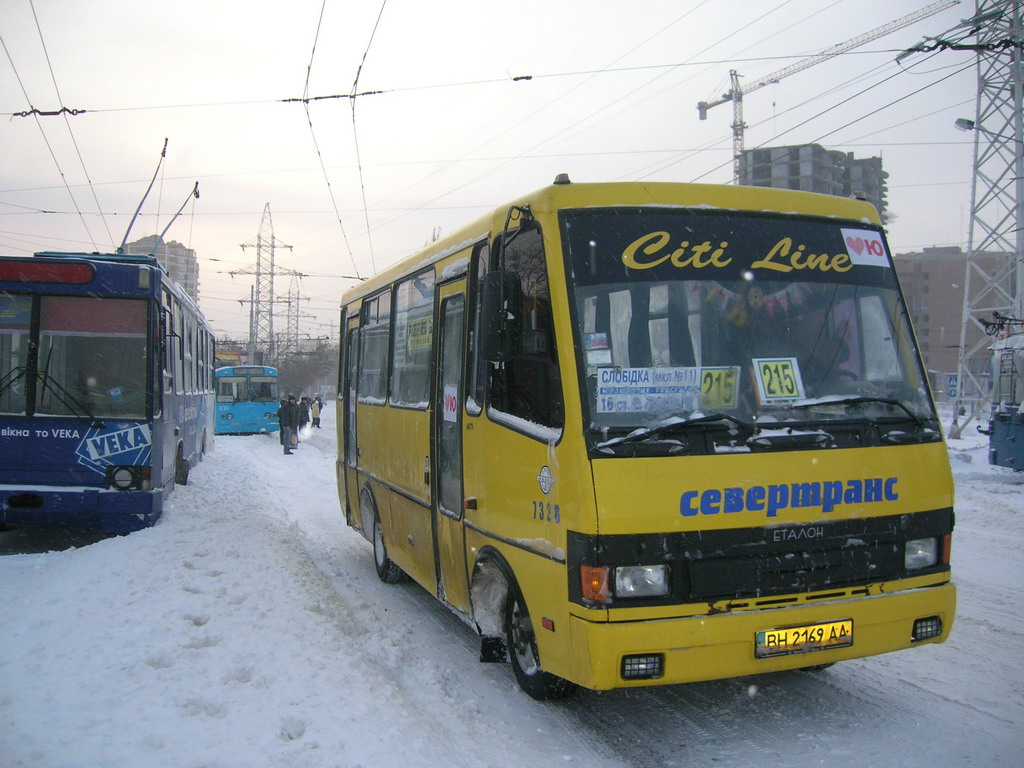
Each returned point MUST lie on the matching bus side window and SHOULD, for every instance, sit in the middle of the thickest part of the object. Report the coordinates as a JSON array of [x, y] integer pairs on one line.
[[414, 331], [167, 331], [373, 355], [530, 386], [477, 373]]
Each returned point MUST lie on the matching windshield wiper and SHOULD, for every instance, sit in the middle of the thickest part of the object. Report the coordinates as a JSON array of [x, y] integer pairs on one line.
[[12, 377], [680, 425], [855, 399], [790, 439], [77, 408], [922, 435]]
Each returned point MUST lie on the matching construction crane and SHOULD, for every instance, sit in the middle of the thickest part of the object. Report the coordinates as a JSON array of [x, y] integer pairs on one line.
[[736, 92]]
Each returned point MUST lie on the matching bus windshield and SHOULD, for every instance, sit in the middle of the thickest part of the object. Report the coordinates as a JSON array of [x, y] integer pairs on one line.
[[753, 321], [92, 357]]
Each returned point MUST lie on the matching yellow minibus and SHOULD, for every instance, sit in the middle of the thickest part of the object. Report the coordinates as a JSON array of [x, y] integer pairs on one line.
[[652, 433]]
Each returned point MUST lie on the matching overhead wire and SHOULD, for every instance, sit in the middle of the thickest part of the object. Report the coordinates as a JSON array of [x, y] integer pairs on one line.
[[732, 60], [654, 168], [548, 140], [67, 123], [46, 141], [512, 127], [316, 144], [842, 103], [355, 134]]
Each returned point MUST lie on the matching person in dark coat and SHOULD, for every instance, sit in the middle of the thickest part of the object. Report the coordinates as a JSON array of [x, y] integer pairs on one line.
[[303, 406], [280, 426], [288, 415]]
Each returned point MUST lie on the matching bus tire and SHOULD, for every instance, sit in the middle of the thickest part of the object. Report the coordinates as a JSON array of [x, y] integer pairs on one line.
[[387, 571], [181, 468], [522, 653]]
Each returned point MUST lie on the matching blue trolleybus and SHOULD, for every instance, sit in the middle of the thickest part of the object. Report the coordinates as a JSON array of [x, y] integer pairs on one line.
[[106, 390], [247, 400]]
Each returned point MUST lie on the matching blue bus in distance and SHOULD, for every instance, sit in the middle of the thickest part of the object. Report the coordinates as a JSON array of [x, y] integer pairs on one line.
[[247, 400], [106, 390]]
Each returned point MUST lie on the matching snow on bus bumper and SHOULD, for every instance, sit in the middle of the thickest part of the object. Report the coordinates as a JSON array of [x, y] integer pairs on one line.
[[619, 654], [107, 509]]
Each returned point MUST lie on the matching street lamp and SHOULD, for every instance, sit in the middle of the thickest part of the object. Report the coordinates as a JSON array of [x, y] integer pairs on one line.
[[963, 124]]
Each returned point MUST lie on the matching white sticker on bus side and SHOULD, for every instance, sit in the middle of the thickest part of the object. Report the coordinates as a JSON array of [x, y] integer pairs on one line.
[[450, 406]]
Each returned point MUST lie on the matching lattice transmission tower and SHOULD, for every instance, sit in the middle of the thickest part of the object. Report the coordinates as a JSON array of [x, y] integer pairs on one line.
[[288, 344], [994, 283], [261, 327]]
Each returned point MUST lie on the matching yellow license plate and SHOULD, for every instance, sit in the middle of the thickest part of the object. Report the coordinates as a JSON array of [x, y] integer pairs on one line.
[[811, 637]]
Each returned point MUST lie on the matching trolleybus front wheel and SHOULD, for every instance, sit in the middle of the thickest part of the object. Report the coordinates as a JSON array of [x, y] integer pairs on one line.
[[181, 468], [522, 652]]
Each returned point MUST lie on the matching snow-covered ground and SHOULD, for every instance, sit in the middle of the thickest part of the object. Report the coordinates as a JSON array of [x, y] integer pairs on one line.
[[248, 629]]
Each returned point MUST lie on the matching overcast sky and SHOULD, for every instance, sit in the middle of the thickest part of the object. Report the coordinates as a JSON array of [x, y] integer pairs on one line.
[[445, 130]]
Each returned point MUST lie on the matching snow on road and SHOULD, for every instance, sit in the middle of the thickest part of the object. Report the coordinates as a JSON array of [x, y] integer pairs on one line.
[[248, 629]]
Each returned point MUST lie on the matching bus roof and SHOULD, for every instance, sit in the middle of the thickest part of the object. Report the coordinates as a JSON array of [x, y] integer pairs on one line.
[[125, 258], [564, 194]]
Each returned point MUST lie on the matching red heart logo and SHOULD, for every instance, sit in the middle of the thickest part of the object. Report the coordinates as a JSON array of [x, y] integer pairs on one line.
[[856, 244]]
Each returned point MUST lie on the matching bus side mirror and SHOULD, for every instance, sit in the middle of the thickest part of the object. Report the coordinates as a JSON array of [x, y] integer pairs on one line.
[[500, 323]]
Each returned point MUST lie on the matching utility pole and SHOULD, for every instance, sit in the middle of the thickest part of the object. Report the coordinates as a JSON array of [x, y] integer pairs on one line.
[[994, 282]]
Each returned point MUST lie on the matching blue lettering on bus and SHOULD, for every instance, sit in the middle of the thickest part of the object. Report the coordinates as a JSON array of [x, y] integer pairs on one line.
[[773, 499]]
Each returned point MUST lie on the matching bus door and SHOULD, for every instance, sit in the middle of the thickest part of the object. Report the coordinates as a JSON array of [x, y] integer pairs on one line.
[[449, 536], [347, 404]]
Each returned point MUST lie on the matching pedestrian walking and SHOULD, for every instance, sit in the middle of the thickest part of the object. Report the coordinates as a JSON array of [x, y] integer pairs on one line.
[[314, 412]]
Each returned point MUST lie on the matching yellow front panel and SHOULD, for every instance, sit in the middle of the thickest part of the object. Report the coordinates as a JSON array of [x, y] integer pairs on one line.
[[721, 646], [748, 490]]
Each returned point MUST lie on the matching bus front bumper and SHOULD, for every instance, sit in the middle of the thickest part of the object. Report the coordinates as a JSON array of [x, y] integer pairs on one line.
[[681, 650], [108, 510]]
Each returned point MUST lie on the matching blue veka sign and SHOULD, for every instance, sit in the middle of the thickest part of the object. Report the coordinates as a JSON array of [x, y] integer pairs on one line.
[[120, 444]]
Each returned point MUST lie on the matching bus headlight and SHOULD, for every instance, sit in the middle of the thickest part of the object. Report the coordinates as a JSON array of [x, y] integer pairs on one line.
[[921, 553], [129, 478], [122, 478], [641, 581]]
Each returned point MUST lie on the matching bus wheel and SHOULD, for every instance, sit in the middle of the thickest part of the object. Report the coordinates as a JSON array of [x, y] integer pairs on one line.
[[181, 468], [522, 652], [387, 571]]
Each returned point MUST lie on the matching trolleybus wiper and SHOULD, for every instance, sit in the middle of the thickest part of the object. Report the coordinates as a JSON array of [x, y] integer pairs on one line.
[[12, 377], [77, 407]]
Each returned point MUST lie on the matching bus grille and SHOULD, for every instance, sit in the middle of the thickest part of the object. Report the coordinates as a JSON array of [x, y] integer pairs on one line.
[[805, 570]]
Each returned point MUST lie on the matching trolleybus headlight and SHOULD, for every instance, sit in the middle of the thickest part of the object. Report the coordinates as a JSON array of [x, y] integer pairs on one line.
[[129, 478], [641, 581], [921, 553], [122, 478]]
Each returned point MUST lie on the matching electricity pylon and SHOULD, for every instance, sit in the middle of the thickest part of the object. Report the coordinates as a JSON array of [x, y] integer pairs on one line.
[[992, 285], [261, 327]]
